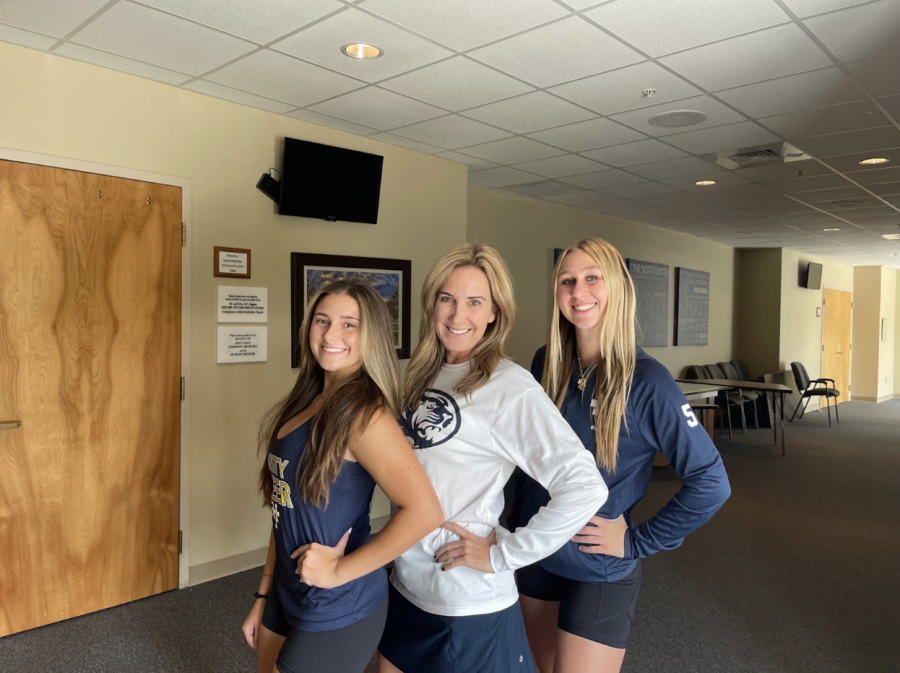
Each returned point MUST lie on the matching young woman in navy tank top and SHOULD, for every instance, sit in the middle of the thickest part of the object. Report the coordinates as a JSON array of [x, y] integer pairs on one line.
[[321, 603], [579, 603]]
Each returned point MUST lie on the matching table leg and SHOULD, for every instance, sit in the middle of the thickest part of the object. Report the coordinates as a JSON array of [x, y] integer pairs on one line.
[[774, 416], [782, 423]]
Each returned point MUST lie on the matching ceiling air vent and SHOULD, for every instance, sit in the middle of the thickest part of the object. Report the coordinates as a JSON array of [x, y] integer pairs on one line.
[[761, 155]]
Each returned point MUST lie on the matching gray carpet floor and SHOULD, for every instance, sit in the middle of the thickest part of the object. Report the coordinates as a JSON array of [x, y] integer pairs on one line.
[[799, 572]]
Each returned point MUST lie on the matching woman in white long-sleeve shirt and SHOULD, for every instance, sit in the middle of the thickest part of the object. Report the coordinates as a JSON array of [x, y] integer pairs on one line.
[[473, 416]]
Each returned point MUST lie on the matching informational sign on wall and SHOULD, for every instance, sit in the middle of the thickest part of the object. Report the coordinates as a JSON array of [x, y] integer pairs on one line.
[[243, 304], [651, 285], [234, 262], [691, 307], [241, 344]]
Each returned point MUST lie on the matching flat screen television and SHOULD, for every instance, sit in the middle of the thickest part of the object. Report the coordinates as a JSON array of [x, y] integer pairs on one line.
[[814, 277], [329, 183]]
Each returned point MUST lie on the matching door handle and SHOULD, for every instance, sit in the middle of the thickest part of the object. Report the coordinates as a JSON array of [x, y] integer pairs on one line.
[[9, 425]]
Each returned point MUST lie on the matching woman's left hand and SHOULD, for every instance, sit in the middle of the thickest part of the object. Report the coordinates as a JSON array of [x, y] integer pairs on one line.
[[317, 565], [470, 550], [603, 536]]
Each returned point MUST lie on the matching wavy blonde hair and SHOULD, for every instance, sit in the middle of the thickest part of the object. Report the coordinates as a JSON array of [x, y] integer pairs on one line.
[[617, 348], [430, 354], [346, 410]]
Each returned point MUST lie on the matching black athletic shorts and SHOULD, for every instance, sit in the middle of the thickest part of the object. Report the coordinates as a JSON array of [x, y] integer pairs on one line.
[[346, 650], [599, 611]]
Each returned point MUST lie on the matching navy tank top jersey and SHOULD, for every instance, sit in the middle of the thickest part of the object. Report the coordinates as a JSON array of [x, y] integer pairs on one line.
[[297, 522]]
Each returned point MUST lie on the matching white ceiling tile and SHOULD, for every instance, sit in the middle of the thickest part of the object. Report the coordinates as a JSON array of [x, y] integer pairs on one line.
[[659, 28], [260, 21], [121, 63], [873, 26], [321, 44], [850, 142], [281, 77], [501, 177], [409, 144], [581, 198], [880, 76], [25, 38], [473, 163], [720, 138], [544, 188], [775, 52], [160, 39], [795, 92], [724, 179], [589, 135], [560, 52], [512, 151], [456, 84], [378, 108], [633, 154], [817, 182], [452, 132], [561, 167], [621, 90], [332, 122], [242, 97], [638, 191], [892, 105], [465, 24], [850, 162], [674, 168], [604, 179], [827, 195], [875, 176], [833, 119], [785, 171], [49, 17], [529, 113], [717, 115]]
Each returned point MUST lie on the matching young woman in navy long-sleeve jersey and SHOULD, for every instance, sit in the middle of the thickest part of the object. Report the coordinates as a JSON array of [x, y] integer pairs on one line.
[[579, 603]]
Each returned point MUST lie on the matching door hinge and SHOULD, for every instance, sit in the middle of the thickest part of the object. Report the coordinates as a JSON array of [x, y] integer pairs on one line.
[[180, 541], [823, 348], [183, 234], [182, 389]]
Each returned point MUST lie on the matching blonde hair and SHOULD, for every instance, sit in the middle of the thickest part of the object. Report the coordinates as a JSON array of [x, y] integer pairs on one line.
[[430, 354], [346, 410], [617, 348]]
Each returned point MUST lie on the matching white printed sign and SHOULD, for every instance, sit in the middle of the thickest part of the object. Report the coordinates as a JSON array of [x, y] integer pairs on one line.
[[241, 344], [232, 262], [243, 304]]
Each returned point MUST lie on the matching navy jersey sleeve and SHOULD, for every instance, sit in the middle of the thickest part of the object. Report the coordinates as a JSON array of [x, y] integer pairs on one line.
[[666, 422], [537, 363]]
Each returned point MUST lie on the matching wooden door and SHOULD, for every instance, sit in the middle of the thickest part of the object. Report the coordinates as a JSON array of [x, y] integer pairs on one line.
[[836, 340], [90, 350]]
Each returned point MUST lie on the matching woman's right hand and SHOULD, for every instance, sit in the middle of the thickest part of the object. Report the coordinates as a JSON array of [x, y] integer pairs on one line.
[[253, 624]]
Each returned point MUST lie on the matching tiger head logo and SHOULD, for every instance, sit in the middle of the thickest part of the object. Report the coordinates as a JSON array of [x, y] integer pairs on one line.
[[433, 422]]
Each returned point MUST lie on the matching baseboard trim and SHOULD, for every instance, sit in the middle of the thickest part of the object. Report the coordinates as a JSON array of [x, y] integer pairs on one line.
[[885, 398], [860, 398], [223, 567]]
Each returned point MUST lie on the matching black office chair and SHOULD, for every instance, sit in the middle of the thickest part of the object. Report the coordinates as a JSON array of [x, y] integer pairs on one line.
[[809, 389], [749, 396], [695, 372], [741, 369], [731, 399]]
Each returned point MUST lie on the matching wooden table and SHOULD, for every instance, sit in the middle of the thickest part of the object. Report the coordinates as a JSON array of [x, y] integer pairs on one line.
[[778, 390]]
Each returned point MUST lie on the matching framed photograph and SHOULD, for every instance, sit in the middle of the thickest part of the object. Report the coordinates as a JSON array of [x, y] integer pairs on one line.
[[390, 277], [231, 262]]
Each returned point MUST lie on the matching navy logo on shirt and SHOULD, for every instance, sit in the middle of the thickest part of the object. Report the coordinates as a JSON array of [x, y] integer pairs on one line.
[[434, 422]]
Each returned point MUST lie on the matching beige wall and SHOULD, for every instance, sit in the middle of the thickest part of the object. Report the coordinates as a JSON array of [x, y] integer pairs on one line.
[[897, 337], [757, 307], [64, 108], [866, 345], [886, 335], [526, 231]]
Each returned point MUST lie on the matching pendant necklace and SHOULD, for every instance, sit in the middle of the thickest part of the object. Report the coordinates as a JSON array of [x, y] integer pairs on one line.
[[582, 374]]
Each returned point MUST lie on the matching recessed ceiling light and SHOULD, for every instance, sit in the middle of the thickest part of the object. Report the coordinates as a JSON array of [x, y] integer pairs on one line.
[[874, 160], [832, 229], [678, 118], [852, 203], [891, 237], [362, 51], [705, 183]]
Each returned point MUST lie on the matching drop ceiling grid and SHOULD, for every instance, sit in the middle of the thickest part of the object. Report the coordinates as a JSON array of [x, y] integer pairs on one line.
[[584, 10]]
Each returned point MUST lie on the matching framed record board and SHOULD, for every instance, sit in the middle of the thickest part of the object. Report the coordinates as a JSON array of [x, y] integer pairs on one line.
[[691, 307], [651, 287]]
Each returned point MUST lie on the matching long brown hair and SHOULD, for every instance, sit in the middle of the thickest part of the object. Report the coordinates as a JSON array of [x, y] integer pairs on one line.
[[617, 348], [430, 354], [346, 410]]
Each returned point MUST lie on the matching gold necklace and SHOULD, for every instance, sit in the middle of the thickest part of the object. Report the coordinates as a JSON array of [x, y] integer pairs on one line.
[[582, 374]]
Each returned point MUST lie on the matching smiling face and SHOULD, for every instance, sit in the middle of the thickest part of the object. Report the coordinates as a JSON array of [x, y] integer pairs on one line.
[[462, 311], [581, 292], [334, 334]]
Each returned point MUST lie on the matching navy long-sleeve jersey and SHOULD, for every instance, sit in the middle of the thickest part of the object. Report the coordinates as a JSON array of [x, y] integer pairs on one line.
[[658, 418]]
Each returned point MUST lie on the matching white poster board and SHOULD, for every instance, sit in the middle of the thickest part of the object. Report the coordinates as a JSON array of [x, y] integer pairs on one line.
[[243, 304], [241, 344]]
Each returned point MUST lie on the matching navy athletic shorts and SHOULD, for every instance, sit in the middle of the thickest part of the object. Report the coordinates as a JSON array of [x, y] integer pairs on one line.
[[324, 651], [416, 641], [599, 611]]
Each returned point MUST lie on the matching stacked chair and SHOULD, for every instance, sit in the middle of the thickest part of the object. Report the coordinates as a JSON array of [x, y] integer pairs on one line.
[[749, 396], [726, 402]]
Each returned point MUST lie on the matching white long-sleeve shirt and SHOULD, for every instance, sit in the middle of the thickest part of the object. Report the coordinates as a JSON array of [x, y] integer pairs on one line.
[[469, 449]]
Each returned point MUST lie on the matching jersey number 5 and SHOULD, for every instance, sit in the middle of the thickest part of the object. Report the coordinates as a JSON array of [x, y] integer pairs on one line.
[[689, 413]]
